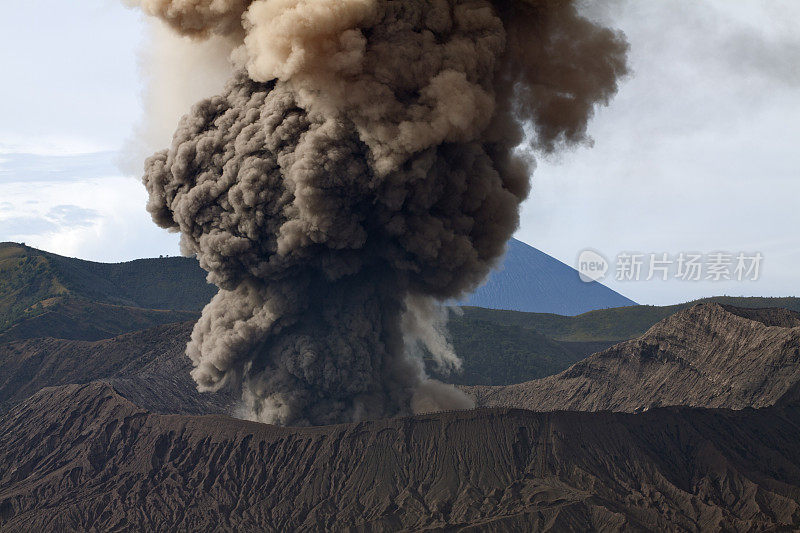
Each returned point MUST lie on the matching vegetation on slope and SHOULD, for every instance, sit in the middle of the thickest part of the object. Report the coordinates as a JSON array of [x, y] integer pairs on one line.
[[27, 284], [613, 325], [494, 353], [176, 283], [504, 347], [72, 298], [81, 319]]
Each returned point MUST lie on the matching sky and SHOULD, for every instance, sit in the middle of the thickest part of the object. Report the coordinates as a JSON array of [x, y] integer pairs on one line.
[[697, 154]]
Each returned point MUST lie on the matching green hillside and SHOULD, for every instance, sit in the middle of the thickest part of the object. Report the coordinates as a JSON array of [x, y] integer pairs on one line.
[[503, 347], [81, 319], [494, 353], [28, 284], [618, 324], [88, 300], [176, 283]]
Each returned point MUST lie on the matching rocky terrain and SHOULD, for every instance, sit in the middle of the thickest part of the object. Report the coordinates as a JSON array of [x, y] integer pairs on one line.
[[84, 457], [102, 428], [707, 356], [149, 366]]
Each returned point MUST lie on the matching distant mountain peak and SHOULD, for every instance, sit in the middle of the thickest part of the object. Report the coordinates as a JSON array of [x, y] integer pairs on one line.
[[530, 280]]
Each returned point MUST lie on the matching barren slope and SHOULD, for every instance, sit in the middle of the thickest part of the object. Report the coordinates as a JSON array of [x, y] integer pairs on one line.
[[708, 356], [149, 365], [83, 457]]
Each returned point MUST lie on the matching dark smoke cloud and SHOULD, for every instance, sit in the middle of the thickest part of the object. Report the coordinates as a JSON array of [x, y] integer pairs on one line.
[[360, 167]]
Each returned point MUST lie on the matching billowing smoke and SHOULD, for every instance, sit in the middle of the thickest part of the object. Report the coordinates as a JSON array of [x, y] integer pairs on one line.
[[361, 166], [177, 71]]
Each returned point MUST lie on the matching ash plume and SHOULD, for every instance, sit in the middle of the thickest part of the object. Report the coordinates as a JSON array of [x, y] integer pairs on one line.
[[176, 71], [361, 166]]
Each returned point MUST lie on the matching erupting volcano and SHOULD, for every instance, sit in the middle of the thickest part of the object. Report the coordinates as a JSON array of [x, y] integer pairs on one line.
[[366, 161]]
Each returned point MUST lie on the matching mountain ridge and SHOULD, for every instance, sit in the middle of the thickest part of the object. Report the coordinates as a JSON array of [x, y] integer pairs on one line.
[[34, 282], [112, 434], [710, 355], [83, 456], [526, 280], [150, 364]]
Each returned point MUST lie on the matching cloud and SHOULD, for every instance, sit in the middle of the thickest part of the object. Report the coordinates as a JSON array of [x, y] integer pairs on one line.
[[57, 218], [177, 71], [24, 226], [698, 151], [33, 167], [775, 60], [67, 90], [47, 145], [100, 219], [72, 216]]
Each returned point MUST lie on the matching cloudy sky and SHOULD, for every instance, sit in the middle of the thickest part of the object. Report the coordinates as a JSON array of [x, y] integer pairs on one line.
[[697, 154]]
